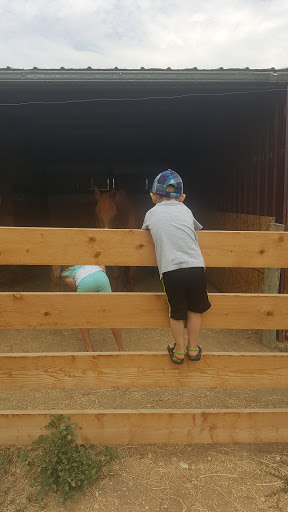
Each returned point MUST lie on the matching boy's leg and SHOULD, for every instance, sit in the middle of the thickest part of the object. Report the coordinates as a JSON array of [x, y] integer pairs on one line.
[[86, 338], [177, 328], [198, 302], [174, 287], [118, 338], [193, 328]]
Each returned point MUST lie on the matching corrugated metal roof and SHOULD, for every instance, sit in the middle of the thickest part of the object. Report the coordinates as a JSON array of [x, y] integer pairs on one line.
[[142, 74]]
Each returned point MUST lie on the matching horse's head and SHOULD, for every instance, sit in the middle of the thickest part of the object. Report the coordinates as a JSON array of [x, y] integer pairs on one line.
[[106, 209]]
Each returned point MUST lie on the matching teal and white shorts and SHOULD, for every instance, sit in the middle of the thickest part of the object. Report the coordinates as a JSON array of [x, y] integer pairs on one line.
[[88, 278], [95, 282]]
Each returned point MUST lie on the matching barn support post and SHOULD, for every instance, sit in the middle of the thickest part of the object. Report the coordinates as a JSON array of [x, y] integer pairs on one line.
[[285, 184], [284, 284], [271, 285]]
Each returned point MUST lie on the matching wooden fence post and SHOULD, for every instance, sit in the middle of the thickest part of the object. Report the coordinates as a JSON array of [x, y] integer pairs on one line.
[[271, 285]]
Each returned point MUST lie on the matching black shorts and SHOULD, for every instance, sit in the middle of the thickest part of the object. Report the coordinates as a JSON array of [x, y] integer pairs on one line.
[[185, 289]]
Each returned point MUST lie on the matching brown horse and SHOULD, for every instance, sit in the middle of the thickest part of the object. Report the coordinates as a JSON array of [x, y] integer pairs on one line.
[[115, 210]]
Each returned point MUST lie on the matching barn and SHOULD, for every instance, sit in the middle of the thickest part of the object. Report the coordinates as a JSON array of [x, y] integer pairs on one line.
[[63, 131]]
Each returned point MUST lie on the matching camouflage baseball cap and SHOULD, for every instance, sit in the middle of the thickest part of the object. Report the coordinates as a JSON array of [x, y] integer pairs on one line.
[[164, 179]]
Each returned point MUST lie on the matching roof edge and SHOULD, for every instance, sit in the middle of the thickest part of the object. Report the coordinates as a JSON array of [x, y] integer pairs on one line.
[[146, 75]]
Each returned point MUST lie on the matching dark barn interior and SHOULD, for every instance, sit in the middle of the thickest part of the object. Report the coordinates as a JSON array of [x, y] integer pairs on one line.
[[62, 132], [226, 142]]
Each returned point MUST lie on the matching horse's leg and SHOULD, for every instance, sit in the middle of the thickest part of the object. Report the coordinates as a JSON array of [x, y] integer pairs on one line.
[[115, 275], [131, 271], [55, 275]]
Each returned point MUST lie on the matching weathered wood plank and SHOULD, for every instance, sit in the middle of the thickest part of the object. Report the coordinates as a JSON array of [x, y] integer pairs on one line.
[[153, 427], [67, 246], [142, 310], [246, 249], [70, 246], [140, 369]]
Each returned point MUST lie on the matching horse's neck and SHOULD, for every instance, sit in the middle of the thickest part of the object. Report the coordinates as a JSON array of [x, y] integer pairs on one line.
[[126, 211]]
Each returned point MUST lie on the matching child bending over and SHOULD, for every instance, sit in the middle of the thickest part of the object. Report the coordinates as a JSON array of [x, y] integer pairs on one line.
[[89, 278]]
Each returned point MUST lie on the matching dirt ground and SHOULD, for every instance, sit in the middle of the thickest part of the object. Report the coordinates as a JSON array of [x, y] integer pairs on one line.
[[195, 478], [202, 478]]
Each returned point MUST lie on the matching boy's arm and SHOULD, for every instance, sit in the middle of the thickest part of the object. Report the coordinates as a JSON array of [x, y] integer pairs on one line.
[[145, 223], [197, 225]]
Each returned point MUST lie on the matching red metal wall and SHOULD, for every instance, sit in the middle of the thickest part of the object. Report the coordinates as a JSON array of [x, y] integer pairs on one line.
[[257, 183]]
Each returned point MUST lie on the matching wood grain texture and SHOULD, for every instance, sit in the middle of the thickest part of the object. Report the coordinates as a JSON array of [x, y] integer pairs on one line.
[[142, 310], [153, 427], [70, 246], [140, 369]]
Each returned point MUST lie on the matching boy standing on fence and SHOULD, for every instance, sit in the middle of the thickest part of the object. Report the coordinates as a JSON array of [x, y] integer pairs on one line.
[[180, 263]]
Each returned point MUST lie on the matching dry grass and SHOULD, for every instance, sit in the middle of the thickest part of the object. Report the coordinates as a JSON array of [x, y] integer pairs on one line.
[[219, 478]]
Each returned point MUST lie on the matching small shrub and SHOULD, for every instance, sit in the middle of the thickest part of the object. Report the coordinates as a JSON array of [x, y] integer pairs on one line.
[[6, 459], [60, 465]]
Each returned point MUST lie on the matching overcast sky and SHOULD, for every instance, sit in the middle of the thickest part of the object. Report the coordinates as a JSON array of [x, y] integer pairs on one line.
[[149, 33]]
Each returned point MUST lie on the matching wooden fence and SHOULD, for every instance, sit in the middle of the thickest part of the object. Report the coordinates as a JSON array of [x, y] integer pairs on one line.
[[44, 246]]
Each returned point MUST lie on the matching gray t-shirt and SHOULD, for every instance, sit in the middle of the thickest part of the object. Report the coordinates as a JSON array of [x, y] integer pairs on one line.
[[172, 227]]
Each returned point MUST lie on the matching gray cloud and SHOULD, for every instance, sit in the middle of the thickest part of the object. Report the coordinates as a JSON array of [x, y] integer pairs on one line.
[[134, 33]]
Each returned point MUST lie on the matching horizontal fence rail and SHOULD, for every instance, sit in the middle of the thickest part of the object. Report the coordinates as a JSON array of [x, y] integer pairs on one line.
[[140, 370], [153, 427], [142, 310], [71, 246]]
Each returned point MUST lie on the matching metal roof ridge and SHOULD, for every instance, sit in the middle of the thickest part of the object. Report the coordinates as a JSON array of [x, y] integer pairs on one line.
[[141, 69]]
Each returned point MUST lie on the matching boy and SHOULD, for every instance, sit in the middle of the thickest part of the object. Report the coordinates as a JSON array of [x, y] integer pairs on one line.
[[180, 263]]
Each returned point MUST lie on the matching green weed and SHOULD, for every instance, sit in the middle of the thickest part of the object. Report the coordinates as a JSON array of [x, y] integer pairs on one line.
[[6, 459], [60, 465]]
